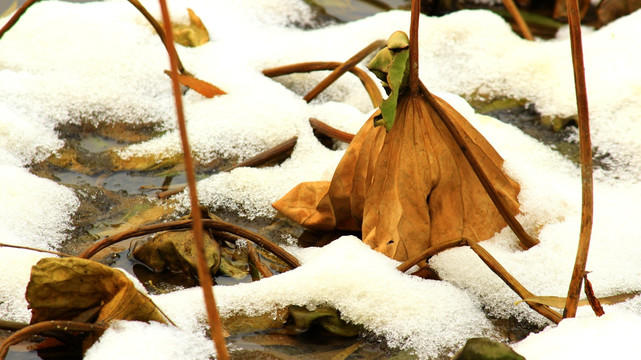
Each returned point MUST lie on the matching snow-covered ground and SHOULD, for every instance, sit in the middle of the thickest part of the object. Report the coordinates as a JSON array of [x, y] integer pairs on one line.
[[102, 62]]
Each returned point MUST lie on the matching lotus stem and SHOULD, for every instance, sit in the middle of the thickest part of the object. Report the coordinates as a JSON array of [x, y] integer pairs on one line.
[[34, 249], [342, 69], [269, 154], [414, 22], [16, 16], [516, 14], [330, 131], [585, 149], [369, 84]]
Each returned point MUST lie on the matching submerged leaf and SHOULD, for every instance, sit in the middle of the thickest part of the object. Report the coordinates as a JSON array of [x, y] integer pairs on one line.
[[174, 250], [326, 317], [65, 288]]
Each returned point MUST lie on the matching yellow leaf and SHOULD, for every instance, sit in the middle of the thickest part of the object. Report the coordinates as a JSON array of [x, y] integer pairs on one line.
[[192, 35]]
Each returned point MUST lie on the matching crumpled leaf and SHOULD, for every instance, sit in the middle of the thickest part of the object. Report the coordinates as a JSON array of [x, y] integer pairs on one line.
[[410, 188], [391, 66], [192, 35], [175, 251], [326, 317], [65, 288]]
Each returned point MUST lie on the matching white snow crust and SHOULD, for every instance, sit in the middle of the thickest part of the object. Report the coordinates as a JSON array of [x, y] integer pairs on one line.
[[101, 62]]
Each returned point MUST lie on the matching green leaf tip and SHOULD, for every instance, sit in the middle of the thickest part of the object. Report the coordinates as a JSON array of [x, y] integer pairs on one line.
[[391, 66]]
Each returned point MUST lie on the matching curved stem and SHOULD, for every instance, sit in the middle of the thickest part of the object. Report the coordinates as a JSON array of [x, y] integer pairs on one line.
[[585, 149], [430, 252]]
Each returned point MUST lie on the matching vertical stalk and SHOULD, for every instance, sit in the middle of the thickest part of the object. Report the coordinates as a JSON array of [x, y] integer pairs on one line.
[[203, 271], [415, 15], [585, 148]]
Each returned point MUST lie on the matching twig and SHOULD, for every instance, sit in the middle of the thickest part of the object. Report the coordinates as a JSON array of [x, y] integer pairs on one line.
[[585, 149], [67, 326], [595, 304], [330, 131], [218, 225], [16, 16], [206, 283], [34, 249], [255, 260], [516, 14], [342, 69], [526, 240], [370, 86], [500, 271]]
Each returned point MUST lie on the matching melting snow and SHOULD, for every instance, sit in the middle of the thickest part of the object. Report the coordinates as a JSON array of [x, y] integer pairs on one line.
[[101, 62]]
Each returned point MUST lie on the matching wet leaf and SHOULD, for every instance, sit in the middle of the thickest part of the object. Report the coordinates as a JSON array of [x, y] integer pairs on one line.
[[64, 288], [409, 188], [326, 317], [174, 251], [238, 324], [192, 35], [200, 86]]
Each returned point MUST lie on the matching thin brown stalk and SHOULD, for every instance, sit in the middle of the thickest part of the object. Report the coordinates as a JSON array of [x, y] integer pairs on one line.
[[254, 259], [342, 69], [206, 283], [160, 31], [510, 281], [16, 16], [369, 84], [330, 131], [526, 240], [34, 249], [585, 149], [414, 20], [269, 154], [430, 252], [215, 225], [47, 326], [516, 14], [595, 304]]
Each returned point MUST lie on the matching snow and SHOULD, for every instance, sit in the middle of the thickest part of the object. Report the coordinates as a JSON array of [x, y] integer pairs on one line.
[[106, 65]]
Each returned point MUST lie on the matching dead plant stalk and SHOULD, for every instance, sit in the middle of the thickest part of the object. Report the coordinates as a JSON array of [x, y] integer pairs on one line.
[[585, 149], [216, 327]]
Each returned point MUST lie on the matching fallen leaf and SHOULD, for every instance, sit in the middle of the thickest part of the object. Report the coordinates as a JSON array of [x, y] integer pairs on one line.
[[408, 188], [64, 288], [174, 250], [192, 35]]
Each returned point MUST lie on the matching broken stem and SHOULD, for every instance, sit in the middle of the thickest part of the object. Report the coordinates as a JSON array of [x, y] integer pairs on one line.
[[370, 86], [269, 154], [516, 14], [526, 240], [413, 77], [46, 326], [206, 283], [330, 131], [254, 259], [342, 69], [510, 281], [585, 149], [16, 16]]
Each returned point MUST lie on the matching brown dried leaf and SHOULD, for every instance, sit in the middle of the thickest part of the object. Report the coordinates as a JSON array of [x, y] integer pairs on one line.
[[192, 35], [410, 188], [610, 10], [63, 288], [174, 250]]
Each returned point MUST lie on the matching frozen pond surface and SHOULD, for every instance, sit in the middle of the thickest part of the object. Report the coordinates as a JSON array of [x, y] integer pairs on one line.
[[106, 65]]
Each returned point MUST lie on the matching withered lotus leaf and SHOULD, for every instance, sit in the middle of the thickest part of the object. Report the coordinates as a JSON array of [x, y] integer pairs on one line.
[[175, 251], [64, 288], [192, 35], [409, 188]]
